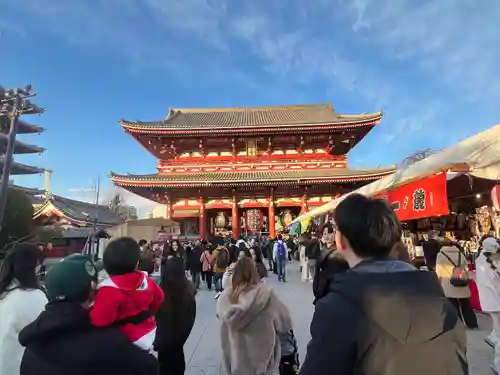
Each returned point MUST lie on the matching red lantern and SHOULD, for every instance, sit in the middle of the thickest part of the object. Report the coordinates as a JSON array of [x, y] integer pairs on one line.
[[495, 197]]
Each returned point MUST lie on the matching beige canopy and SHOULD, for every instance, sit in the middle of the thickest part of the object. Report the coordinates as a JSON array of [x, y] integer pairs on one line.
[[478, 155]]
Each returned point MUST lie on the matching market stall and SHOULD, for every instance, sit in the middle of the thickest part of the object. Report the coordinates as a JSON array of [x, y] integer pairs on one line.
[[453, 192]]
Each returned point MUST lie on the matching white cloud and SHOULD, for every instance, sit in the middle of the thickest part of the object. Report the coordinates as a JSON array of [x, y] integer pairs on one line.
[[450, 44], [459, 40]]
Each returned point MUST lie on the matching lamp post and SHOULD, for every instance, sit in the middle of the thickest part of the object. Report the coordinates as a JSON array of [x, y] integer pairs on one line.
[[13, 104]]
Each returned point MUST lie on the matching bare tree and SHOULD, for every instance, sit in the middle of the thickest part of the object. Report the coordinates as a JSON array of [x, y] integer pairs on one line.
[[417, 156]]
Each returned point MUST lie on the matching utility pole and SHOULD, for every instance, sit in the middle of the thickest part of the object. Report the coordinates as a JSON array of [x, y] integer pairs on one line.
[[96, 219], [13, 104]]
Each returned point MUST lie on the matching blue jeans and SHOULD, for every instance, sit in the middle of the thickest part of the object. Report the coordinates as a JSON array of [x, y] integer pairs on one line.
[[281, 268], [218, 281]]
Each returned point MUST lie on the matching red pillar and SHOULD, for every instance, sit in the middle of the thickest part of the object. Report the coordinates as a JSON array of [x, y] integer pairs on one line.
[[271, 218], [203, 221], [303, 204], [235, 222], [168, 212]]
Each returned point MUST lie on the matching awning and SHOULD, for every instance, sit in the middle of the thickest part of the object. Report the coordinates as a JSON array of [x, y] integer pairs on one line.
[[478, 155]]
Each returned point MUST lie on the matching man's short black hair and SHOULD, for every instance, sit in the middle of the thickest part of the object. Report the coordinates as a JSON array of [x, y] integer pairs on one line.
[[370, 225], [142, 242], [121, 256]]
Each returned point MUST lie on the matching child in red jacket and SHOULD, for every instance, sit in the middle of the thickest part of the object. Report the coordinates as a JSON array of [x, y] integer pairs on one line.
[[128, 299]]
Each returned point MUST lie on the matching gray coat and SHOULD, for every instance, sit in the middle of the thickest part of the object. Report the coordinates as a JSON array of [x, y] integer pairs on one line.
[[250, 329]]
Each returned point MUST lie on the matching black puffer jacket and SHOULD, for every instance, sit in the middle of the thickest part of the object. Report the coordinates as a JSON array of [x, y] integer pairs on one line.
[[63, 342], [328, 265]]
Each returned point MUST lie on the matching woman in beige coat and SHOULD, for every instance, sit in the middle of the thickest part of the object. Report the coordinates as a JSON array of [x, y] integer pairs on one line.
[[449, 257], [252, 317]]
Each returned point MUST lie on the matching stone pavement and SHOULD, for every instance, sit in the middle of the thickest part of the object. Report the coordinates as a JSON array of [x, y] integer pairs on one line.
[[203, 354]]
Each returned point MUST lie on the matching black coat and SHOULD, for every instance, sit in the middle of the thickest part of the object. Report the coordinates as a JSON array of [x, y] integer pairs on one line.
[[63, 342], [193, 259], [328, 265], [175, 320], [313, 249], [386, 323]]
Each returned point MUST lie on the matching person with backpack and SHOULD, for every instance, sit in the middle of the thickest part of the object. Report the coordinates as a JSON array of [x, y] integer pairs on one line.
[[280, 256], [221, 263], [452, 271]]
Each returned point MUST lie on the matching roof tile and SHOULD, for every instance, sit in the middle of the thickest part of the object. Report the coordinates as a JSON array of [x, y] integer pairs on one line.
[[196, 179], [219, 118]]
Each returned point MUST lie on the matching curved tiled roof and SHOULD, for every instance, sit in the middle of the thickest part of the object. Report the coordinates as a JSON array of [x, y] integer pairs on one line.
[[270, 177], [82, 211], [202, 119]]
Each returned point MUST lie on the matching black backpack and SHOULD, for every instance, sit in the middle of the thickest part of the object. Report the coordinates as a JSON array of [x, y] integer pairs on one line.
[[459, 275]]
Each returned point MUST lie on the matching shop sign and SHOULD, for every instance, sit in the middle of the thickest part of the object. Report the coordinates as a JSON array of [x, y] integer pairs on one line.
[[419, 199]]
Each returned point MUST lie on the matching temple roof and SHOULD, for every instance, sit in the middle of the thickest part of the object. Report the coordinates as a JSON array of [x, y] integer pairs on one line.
[[26, 128], [20, 147], [270, 177], [217, 119], [80, 211], [20, 169]]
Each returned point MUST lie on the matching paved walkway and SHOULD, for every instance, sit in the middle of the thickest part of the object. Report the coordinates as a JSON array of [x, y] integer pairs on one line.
[[203, 354]]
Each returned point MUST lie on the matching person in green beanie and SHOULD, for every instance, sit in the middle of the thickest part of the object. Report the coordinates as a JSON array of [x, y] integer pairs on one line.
[[62, 341]]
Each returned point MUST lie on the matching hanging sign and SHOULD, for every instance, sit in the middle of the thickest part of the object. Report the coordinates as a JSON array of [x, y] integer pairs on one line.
[[419, 199], [495, 197]]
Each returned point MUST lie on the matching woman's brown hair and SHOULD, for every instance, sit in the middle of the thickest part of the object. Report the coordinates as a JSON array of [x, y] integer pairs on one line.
[[244, 275]]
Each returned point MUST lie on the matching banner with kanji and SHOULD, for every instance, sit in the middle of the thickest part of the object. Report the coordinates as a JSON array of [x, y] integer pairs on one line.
[[419, 199]]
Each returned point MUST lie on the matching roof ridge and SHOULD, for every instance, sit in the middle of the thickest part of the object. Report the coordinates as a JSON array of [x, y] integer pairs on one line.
[[326, 105]]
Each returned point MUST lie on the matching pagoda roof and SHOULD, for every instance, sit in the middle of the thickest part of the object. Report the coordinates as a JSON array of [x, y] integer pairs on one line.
[[20, 169], [27, 128], [78, 211], [270, 177], [20, 147], [27, 190], [270, 118], [23, 127]]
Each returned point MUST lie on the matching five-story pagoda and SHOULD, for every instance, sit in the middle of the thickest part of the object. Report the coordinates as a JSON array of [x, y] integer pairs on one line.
[[248, 169]]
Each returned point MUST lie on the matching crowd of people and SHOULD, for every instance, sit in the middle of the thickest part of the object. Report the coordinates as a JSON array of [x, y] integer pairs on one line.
[[375, 313]]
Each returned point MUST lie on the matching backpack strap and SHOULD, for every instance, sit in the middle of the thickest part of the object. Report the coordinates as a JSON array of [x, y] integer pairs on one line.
[[448, 257]]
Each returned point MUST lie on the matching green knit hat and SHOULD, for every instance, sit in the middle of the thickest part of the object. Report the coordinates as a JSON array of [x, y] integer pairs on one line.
[[70, 279]]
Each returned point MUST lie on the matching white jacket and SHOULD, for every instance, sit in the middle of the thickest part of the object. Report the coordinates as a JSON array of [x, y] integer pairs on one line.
[[488, 284], [18, 308]]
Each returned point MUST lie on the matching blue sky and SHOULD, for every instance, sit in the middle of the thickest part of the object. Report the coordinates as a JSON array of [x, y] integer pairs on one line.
[[432, 66]]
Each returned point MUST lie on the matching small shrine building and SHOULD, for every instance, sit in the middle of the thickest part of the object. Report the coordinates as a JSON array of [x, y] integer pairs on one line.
[[248, 169]]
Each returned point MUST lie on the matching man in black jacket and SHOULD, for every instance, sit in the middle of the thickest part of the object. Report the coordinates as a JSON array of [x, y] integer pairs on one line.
[[63, 342], [382, 316]]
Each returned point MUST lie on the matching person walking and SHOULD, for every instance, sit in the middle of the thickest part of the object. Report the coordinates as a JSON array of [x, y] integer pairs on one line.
[[21, 301], [252, 317], [312, 253], [207, 261], [175, 318], [221, 262], [451, 270], [488, 286], [280, 255], [194, 263], [330, 263], [382, 316]]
